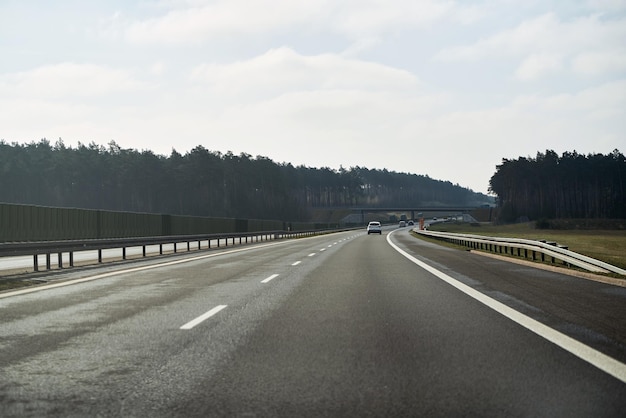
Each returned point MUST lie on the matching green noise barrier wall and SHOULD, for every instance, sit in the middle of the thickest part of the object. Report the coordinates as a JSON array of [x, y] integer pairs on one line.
[[20, 223]]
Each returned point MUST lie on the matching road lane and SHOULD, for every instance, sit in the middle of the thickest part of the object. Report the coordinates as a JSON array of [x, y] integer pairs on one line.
[[354, 330], [368, 335], [90, 347], [591, 312], [584, 352]]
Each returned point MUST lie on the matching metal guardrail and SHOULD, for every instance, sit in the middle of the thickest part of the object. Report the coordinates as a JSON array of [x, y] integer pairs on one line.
[[522, 247], [48, 248]]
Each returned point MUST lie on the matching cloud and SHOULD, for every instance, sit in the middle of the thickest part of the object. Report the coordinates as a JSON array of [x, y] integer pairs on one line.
[[607, 99], [67, 100], [600, 62], [546, 45], [205, 20], [197, 22], [607, 5], [68, 79], [282, 70], [538, 65], [520, 40], [364, 18]]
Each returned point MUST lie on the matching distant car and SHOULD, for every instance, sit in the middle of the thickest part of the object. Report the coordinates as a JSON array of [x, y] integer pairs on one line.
[[410, 223], [402, 224], [374, 228]]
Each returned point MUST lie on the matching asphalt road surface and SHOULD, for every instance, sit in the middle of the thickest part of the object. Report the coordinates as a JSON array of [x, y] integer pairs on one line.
[[340, 325]]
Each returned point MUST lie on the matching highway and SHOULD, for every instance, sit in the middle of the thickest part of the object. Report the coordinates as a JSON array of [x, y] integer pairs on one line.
[[339, 325]]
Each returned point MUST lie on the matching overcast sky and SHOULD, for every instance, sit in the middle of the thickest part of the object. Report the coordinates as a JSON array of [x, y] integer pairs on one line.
[[441, 88]]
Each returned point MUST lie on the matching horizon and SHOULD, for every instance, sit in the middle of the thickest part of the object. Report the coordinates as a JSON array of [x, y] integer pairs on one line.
[[446, 90]]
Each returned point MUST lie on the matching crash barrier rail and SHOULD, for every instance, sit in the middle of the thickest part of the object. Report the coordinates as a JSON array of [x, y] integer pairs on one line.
[[535, 250], [49, 248]]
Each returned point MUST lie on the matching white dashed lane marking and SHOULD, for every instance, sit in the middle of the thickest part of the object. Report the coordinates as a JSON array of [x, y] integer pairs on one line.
[[203, 317], [273, 276], [191, 324]]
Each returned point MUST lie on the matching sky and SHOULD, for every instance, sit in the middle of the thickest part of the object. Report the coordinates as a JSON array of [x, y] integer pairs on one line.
[[446, 89]]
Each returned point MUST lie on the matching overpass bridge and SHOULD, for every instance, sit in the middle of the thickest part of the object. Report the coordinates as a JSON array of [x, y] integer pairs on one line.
[[416, 210]]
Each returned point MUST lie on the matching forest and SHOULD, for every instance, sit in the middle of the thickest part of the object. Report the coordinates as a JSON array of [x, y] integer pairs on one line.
[[205, 183], [569, 186]]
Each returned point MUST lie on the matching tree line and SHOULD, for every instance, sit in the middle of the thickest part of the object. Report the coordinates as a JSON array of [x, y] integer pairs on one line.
[[569, 186], [204, 183]]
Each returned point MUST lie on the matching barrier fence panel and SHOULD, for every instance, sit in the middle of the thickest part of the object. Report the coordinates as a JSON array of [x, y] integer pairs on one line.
[[20, 223]]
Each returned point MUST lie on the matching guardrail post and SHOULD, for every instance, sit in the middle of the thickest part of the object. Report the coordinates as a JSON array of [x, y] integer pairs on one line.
[[531, 249], [103, 244]]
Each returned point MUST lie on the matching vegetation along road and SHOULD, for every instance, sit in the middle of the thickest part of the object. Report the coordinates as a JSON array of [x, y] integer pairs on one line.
[[338, 325]]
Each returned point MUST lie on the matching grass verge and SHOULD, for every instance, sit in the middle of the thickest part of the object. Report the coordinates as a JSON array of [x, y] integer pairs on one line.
[[605, 245]]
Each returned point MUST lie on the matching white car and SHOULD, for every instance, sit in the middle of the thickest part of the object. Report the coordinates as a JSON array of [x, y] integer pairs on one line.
[[374, 228]]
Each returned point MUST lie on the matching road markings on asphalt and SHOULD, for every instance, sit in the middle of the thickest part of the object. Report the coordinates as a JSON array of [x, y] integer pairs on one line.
[[203, 317], [132, 270], [601, 361], [135, 269], [312, 255], [296, 263], [273, 276]]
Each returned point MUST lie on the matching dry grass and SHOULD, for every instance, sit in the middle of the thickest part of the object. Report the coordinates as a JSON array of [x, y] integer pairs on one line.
[[605, 245]]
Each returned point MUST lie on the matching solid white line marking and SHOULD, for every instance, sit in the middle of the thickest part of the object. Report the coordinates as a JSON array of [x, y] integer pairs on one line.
[[312, 255], [273, 276], [296, 263], [601, 361], [203, 317]]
